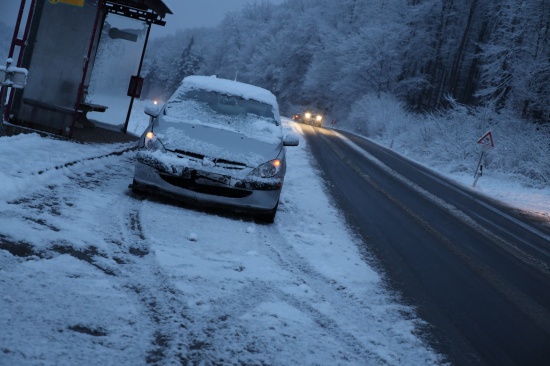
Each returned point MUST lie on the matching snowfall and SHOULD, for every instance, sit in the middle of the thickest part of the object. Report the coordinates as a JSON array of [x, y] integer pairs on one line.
[[92, 274]]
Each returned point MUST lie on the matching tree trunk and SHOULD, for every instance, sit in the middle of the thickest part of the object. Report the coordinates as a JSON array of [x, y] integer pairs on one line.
[[454, 76]]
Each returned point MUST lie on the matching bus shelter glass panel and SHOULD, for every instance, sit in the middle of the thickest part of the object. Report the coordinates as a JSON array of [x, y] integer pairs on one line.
[[119, 52], [59, 38]]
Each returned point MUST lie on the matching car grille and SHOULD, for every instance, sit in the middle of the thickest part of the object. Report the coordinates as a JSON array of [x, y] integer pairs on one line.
[[222, 163]]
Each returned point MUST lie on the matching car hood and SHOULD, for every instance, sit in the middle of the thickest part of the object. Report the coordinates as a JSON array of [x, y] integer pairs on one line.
[[214, 143]]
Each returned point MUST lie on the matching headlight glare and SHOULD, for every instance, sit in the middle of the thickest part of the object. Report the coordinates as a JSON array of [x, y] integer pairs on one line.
[[151, 142], [308, 115], [269, 169]]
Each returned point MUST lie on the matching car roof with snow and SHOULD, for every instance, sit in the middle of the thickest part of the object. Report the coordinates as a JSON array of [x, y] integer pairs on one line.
[[246, 91]]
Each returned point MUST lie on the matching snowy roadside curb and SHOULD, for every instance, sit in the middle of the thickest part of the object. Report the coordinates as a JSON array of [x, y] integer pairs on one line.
[[29, 156], [495, 185]]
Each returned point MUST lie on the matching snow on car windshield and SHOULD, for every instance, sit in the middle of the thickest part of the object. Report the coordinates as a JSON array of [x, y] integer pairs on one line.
[[246, 91], [231, 112]]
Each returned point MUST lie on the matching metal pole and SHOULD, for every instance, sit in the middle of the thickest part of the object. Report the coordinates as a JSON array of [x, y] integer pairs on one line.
[[125, 127], [85, 71], [22, 43], [479, 163], [3, 101], [16, 30], [4, 113], [3, 93]]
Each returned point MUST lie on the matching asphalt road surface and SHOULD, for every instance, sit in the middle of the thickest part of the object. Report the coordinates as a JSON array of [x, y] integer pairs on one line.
[[476, 271]]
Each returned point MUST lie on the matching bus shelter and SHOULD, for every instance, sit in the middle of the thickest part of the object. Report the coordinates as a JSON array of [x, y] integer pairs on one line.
[[58, 48]]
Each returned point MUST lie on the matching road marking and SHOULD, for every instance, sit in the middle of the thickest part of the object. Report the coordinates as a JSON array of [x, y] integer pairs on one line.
[[529, 307], [529, 228], [464, 191], [458, 214]]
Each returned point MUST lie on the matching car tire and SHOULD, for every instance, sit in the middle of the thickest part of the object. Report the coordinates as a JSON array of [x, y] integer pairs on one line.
[[135, 189], [267, 218]]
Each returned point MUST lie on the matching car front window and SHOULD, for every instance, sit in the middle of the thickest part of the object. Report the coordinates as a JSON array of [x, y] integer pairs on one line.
[[218, 108], [223, 111]]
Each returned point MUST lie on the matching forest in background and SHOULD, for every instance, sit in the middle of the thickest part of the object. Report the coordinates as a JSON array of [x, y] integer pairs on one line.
[[426, 77], [331, 54]]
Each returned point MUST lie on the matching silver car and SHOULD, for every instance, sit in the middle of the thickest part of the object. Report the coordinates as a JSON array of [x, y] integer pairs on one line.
[[216, 142]]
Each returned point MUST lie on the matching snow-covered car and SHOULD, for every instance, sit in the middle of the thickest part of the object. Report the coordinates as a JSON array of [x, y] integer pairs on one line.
[[311, 118], [216, 142]]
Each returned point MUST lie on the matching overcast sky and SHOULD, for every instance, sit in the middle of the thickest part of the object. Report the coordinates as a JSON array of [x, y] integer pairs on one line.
[[199, 13], [187, 13]]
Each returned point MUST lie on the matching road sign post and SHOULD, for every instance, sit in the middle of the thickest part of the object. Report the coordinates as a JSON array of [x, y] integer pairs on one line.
[[487, 142]]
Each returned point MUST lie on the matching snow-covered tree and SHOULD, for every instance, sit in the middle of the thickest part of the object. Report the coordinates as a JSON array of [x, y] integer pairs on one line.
[[329, 54], [516, 59]]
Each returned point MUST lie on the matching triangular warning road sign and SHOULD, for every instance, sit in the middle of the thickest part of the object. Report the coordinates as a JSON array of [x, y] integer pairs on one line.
[[487, 139]]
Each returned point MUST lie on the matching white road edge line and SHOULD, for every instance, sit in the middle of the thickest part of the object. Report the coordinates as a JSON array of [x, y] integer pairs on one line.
[[464, 191], [513, 249], [531, 229]]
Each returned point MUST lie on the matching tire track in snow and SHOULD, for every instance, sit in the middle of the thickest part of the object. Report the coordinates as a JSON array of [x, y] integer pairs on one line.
[[113, 242], [139, 274], [163, 303], [137, 269], [215, 329], [85, 160], [326, 290]]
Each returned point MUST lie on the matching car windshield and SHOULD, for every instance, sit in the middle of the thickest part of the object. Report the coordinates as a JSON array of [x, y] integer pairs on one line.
[[212, 107], [224, 111]]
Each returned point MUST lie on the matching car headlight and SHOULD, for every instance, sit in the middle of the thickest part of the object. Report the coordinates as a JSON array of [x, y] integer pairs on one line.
[[319, 118], [308, 115], [152, 143], [269, 169]]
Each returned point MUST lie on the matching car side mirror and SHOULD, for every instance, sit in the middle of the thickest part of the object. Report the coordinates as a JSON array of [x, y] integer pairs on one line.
[[152, 111], [291, 140]]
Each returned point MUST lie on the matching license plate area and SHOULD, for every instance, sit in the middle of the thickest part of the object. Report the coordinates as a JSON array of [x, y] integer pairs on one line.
[[200, 177]]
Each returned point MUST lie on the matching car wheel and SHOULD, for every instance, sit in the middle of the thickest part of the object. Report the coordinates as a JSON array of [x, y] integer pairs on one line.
[[135, 188], [268, 218]]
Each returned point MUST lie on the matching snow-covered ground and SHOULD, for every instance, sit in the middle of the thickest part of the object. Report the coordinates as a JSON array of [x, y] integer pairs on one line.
[[91, 274], [531, 200], [516, 168]]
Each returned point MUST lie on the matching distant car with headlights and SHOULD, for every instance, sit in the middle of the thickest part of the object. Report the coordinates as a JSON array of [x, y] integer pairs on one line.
[[311, 118], [216, 142]]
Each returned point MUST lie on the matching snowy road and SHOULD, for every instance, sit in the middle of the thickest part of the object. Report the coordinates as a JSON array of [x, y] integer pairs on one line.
[[475, 268], [92, 274]]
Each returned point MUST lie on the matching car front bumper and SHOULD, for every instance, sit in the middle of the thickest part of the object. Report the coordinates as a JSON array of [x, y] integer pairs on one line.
[[205, 191]]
